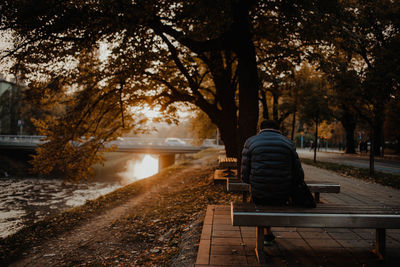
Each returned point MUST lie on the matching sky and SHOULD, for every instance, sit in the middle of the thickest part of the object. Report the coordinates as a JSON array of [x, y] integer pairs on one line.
[[5, 64]]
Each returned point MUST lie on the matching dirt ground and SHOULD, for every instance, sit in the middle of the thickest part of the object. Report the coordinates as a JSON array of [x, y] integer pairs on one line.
[[160, 226]]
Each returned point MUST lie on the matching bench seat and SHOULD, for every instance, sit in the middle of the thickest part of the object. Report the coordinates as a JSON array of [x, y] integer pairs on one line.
[[379, 217], [314, 186], [224, 162]]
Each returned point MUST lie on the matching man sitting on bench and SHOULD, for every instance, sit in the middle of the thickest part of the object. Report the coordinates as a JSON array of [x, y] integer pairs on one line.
[[271, 166]]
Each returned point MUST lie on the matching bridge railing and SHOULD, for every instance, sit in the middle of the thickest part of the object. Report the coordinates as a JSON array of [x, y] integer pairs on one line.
[[121, 141], [30, 139]]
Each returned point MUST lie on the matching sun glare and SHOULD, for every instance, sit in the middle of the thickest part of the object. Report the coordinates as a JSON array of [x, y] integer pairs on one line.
[[146, 111], [140, 168]]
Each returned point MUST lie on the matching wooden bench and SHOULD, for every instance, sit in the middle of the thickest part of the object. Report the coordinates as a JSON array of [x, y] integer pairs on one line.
[[315, 187], [227, 163], [222, 176], [377, 217]]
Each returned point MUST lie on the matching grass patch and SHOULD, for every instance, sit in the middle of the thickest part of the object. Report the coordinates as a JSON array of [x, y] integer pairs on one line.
[[360, 173]]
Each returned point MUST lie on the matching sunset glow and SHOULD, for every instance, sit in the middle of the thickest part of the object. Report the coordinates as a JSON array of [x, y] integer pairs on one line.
[[140, 168]]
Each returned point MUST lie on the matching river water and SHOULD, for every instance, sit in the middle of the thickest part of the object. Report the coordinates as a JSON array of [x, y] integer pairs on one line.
[[27, 200]]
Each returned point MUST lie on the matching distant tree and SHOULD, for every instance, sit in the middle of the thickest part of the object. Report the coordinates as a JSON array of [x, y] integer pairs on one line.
[[369, 34], [202, 128], [315, 101], [392, 123], [346, 83], [86, 109]]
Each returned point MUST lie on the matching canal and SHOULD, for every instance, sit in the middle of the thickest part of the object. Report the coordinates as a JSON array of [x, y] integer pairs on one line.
[[27, 200]]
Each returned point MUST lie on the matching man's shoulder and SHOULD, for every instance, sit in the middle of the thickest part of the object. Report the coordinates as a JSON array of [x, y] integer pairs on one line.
[[277, 137]]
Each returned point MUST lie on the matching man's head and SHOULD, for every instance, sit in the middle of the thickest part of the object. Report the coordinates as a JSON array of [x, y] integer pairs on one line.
[[269, 124]]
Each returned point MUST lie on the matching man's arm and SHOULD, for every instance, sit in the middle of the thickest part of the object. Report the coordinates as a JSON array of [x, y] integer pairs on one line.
[[246, 159], [298, 173]]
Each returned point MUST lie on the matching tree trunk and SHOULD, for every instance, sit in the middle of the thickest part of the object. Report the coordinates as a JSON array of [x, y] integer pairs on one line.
[[226, 120], [348, 121], [275, 107], [247, 76], [350, 143], [372, 154], [229, 138], [264, 105], [377, 138], [293, 125], [295, 111], [316, 141], [398, 145]]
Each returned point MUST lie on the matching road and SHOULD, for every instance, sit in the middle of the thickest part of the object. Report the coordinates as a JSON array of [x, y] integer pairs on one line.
[[385, 165]]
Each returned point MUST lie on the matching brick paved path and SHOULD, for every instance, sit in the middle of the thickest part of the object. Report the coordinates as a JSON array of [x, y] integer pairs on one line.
[[225, 245]]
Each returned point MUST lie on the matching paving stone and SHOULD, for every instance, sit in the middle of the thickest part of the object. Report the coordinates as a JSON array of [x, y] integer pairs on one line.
[[392, 243], [225, 227], [222, 233], [367, 236], [316, 243], [223, 222], [249, 240], [301, 229], [251, 260], [355, 243], [228, 250], [287, 235], [226, 241], [294, 243], [228, 260], [284, 229], [320, 235], [203, 254], [337, 230], [206, 232], [343, 236], [394, 235]]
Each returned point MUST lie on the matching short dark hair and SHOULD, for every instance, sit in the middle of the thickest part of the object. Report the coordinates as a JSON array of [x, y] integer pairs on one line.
[[269, 124]]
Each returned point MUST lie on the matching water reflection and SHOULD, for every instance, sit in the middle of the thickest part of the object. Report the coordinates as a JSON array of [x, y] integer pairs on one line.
[[145, 166], [23, 201]]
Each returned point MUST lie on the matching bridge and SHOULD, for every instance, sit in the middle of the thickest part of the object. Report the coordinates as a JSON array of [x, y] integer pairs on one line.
[[166, 148]]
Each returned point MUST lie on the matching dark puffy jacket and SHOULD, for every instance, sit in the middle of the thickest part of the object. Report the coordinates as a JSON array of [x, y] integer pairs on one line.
[[270, 163]]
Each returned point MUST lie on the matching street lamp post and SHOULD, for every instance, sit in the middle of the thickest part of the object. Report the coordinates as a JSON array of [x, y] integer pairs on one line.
[[21, 125], [302, 138]]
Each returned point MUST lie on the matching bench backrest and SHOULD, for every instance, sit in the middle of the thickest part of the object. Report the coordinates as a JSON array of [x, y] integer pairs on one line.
[[327, 215], [320, 187]]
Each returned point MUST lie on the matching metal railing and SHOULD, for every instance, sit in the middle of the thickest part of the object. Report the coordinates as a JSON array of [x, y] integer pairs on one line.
[[121, 141]]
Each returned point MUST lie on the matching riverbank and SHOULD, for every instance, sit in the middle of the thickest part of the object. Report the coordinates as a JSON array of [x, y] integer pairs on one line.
[[143, 223]]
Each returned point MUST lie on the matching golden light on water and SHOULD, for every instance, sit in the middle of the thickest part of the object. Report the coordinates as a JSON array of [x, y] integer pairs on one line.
[[140, 168]]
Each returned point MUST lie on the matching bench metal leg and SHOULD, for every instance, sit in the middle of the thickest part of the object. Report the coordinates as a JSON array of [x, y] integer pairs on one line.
[[260, 245], [316, 197], [380, 245]]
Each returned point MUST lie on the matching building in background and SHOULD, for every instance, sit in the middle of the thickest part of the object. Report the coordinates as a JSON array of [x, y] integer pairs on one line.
[[10, 98]]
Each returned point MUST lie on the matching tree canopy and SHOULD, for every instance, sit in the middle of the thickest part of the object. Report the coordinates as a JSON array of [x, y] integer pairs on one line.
[[225, 57]]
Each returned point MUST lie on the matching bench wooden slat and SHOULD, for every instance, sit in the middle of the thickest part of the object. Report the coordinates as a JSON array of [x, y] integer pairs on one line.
[[315, 187], [224, 162], [320, 187], [326, 208]]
